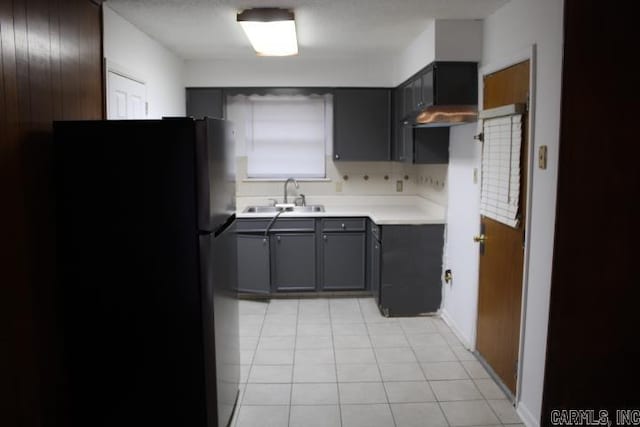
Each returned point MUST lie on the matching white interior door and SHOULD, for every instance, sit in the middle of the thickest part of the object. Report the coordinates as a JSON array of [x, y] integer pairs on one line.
[[127, 98]]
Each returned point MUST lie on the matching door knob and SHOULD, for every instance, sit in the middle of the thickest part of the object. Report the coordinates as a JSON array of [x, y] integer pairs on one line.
[[480, 238]]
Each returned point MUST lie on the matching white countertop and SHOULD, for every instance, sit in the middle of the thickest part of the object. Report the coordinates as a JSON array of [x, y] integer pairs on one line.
[[383, 210]]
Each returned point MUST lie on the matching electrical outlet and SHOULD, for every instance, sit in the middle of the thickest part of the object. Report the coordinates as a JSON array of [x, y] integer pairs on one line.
[[339, 187], [399, 186], [542, 157]]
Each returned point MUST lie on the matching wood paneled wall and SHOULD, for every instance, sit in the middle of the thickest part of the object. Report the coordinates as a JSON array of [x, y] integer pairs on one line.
[[593, 350], [50, 69]]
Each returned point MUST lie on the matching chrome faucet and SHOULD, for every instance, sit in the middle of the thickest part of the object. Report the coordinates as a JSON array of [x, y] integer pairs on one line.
[[285, 187]]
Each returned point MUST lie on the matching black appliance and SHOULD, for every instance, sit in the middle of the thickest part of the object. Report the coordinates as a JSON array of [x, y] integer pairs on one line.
[[147, 271]]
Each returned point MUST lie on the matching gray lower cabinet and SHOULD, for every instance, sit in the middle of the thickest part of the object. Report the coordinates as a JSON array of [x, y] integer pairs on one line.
[[343, 261], [411, 269], [375, 251], [253, 264], [293, 262]]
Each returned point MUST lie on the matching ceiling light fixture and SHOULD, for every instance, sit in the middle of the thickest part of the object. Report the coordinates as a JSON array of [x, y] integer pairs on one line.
[[271, 31]]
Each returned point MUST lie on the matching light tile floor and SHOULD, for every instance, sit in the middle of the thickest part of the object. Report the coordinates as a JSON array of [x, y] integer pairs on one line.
[[338, 362]]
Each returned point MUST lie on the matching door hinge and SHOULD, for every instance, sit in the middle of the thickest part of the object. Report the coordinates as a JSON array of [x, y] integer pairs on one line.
[[146, 108], [515, 370]]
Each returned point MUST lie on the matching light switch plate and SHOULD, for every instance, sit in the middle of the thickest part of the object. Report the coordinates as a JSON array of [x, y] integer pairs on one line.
[[399, 186], [339, 187], [542, 157]]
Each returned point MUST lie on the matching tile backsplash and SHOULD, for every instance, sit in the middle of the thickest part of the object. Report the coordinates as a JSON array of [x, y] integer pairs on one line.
[[356, 179]]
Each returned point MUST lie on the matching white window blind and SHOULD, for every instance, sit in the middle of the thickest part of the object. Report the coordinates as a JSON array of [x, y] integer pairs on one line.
[[500, 194], [286, 136]]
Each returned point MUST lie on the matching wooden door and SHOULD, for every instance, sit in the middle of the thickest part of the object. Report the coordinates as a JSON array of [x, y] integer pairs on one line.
[[502, 255]]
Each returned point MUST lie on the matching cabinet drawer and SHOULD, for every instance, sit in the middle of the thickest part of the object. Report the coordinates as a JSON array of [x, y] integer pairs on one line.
[[259, 225], [343, 224]]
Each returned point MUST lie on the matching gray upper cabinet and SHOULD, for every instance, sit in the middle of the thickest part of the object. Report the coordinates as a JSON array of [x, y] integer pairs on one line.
[[205, 102], [362, 124], [431, 145], [343, 261], [293, 261], [253, 264], [397, 149]]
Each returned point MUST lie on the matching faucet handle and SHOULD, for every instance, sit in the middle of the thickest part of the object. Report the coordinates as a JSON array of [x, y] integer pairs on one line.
[[273, 201]]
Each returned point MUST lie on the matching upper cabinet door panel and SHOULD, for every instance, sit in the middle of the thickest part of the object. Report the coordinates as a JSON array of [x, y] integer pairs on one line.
[[456, 83], [427, 88], [362, 124]]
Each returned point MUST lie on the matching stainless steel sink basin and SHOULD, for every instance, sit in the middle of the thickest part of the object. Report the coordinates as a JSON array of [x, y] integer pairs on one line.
[[309, 208], [273, 209], [260, 209]]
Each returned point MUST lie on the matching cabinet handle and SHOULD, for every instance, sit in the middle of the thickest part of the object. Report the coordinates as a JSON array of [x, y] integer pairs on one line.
[[337, 156], [376, 246], [343, 226], [264, 241], [278, 238], [325, 238]]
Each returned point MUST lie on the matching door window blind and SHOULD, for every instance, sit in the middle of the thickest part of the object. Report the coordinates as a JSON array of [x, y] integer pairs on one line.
[[500, 194]]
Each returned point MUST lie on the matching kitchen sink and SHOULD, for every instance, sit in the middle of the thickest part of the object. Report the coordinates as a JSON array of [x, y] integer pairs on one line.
[[260, 209], [274, 209]]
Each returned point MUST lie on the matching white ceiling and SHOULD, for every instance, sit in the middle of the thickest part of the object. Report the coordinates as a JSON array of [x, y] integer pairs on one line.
[[206, 29]]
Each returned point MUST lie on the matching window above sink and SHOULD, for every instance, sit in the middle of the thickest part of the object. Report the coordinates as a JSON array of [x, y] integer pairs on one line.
[[282, 136]]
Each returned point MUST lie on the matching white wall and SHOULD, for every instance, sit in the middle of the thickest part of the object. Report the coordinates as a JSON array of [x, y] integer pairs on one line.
[[460, 299], [511, 29], [421, 52], [289, 71], [458, 40], [130, 51]]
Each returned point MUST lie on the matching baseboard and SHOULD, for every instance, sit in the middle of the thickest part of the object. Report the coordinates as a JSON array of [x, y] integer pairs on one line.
[[456, 330], [525, 415]]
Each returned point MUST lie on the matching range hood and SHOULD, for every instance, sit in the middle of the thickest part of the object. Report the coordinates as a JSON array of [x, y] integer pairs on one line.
[[443, 115]]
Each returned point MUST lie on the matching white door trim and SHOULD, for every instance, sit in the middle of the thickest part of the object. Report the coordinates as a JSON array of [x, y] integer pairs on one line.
[[521, 56]]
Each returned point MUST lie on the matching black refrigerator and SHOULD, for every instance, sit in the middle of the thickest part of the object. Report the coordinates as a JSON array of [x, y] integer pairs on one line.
[[147, 271]]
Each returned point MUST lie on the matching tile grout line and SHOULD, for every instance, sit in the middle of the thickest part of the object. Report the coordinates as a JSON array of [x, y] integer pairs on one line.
[[425, 375], [366, 325], [335, 362], [293, 362]]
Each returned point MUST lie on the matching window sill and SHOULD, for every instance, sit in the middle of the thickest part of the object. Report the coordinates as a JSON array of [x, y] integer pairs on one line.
[[284, 179]]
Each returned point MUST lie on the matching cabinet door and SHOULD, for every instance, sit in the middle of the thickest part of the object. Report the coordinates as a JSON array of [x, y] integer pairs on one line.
[[456, 83], [343, 261], [374, 268], [431, 145], [205, 102], [294, 261], [397, 149], [416, 89], [427, 88], [411, 269], [362, 124], [407, 143], [253, 264], [407, 98]]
